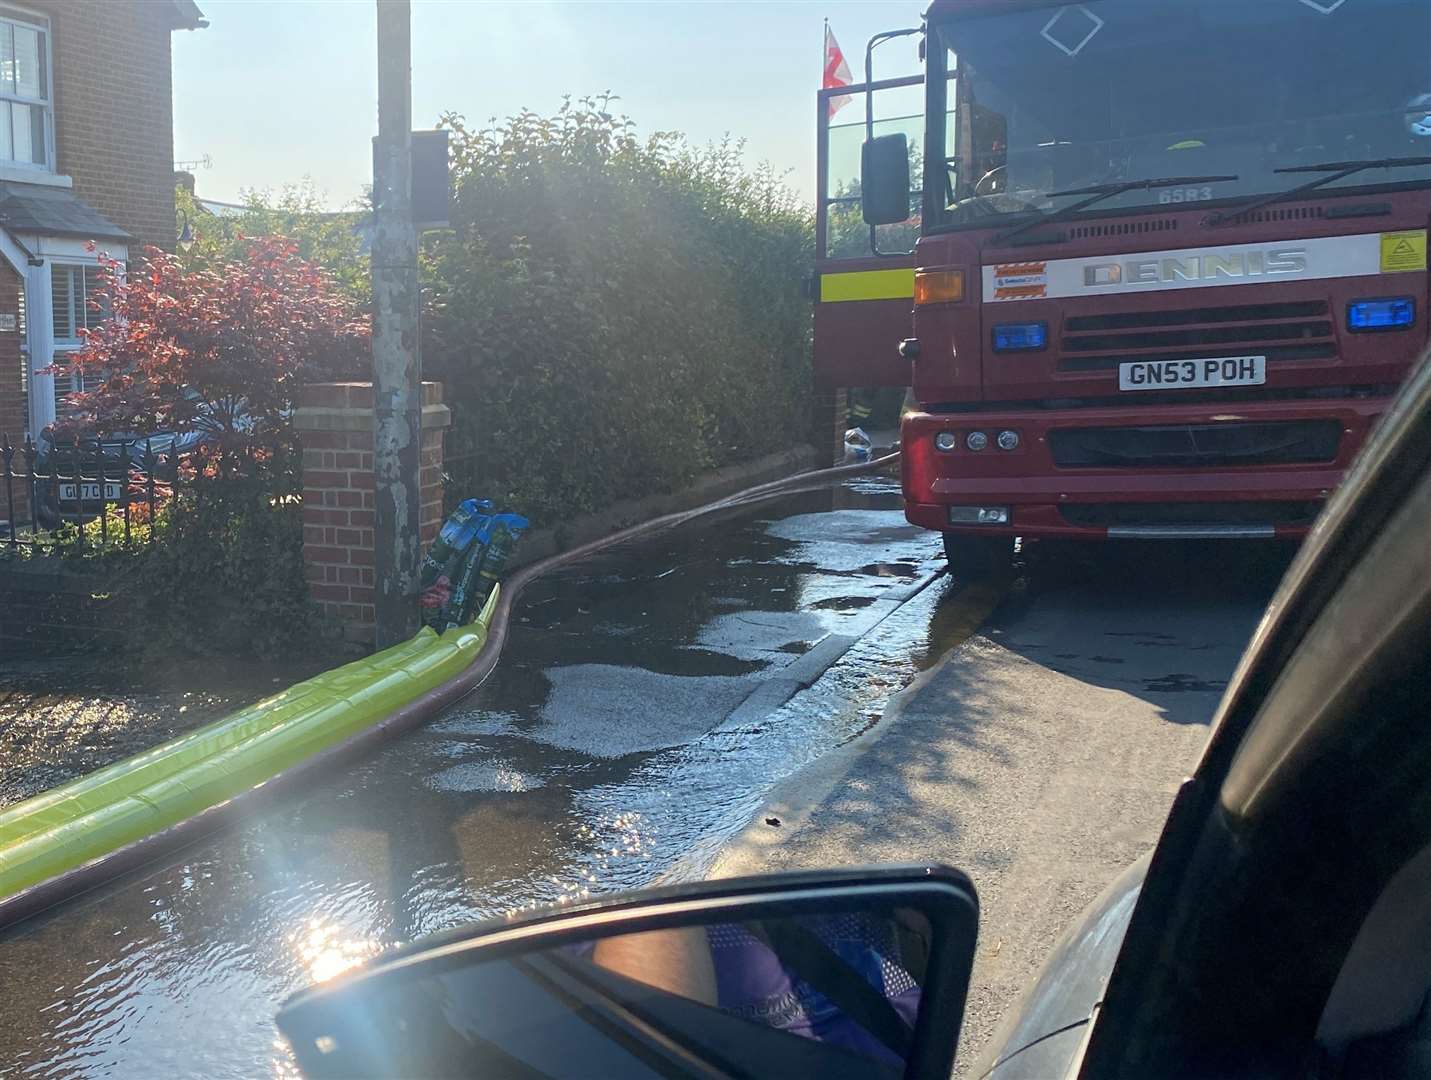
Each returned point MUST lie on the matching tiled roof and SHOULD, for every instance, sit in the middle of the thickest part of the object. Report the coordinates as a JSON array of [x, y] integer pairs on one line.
[[51, 211], [187, 16]]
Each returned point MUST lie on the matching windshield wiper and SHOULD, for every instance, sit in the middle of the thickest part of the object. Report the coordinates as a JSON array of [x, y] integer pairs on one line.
[[1339, 170], [1099, 192]]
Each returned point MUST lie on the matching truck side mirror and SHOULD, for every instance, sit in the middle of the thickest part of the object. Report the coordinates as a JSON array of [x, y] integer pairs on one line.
[[884, 179]]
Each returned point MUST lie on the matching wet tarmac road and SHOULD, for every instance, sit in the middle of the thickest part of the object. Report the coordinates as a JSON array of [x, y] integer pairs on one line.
[[642, 709], [1042, 756]]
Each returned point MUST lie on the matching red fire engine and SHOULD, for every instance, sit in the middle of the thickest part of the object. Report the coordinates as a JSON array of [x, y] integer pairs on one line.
[[1171, 261]]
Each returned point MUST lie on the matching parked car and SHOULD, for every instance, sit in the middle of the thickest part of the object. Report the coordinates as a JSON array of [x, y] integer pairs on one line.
[[1281, 927], [70, 470]]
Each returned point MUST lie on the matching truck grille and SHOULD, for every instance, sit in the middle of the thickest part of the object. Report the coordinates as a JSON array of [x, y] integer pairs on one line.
[[1196, 445], [1296, 330]]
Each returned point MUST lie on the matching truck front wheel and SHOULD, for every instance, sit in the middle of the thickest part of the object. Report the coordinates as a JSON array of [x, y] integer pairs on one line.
[[977, 557]]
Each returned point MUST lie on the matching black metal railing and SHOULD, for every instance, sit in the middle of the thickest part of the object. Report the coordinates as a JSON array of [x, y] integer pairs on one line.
[[108, 490]]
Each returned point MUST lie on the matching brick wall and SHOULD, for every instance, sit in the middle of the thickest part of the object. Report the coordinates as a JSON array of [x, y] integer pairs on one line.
[[13, 406], [114, 114], [55, 606], [335, 426]]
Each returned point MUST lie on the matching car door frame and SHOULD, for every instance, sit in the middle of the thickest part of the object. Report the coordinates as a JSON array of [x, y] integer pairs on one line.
[[1198, 979]]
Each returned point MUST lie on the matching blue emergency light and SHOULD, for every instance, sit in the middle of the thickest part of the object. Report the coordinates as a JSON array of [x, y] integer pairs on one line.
[[1397, 314], [1020, 337]]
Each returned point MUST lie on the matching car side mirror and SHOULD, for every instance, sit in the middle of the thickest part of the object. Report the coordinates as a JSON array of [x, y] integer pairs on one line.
[[843, 973], [884, 179]]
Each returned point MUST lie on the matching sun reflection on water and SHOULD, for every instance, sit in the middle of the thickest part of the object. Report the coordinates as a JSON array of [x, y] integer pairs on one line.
[[325, 952]]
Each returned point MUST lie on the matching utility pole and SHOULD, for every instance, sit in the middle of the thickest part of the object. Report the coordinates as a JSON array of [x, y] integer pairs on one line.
[[397, 364]]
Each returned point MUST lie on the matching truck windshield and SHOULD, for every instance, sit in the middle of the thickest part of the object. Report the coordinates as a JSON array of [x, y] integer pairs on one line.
[[1066, 97]]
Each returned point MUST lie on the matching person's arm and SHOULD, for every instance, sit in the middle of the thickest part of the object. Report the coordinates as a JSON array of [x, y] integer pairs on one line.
[[677, 961]]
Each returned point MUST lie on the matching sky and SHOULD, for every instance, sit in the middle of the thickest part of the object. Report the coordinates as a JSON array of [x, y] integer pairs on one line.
[[273, 92]]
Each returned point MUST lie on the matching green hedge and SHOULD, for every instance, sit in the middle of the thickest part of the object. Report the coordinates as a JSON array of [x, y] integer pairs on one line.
[[611, 316]]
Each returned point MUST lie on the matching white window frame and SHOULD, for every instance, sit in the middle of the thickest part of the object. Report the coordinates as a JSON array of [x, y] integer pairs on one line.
[[64, 383], [31, 256], [81, 271], [34, 21]]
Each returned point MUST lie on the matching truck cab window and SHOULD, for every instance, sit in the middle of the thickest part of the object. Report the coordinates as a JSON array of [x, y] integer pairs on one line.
[[1088, 94]]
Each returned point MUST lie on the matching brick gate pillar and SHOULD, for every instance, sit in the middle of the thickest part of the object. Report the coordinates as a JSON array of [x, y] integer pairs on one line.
[[334, 422]]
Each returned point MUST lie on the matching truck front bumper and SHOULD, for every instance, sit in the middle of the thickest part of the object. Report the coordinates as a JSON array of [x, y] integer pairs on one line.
[[1049, 492]]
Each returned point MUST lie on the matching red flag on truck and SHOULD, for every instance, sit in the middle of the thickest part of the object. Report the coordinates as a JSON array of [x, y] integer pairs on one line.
[[837, 72]]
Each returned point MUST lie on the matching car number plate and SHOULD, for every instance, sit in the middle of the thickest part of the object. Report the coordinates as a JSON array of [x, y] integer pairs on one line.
[[89, 492], [1188, 374]]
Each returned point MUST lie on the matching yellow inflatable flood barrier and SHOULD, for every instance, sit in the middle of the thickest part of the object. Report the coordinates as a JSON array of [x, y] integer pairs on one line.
[[86, 819]]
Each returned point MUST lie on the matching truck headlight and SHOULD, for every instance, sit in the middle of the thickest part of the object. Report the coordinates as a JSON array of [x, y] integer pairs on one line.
[[978, 515]]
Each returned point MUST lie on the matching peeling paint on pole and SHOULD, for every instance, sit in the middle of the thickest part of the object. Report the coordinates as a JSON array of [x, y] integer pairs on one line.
[[397, 364]]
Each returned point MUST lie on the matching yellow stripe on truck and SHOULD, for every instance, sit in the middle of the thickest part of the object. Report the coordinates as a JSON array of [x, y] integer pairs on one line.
[[867, 285]]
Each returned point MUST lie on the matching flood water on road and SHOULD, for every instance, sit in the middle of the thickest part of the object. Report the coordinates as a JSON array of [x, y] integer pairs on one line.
[[615, 745]]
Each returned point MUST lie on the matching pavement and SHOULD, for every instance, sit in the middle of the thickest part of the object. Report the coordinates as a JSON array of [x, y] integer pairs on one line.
[[1040, 756]]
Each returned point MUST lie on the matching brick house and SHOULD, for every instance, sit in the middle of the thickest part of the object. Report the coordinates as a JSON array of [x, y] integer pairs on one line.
[[86, 154]]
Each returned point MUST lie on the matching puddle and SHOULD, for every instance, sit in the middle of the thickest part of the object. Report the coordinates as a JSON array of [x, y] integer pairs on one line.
[[843, 603], [609, 712], [486, 775], [756, 635]]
